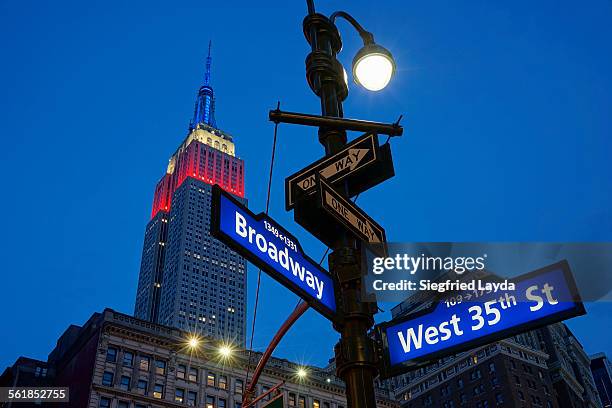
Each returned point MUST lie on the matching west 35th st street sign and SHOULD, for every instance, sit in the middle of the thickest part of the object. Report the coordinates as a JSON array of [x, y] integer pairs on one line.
[[542, 297], [349, 166]]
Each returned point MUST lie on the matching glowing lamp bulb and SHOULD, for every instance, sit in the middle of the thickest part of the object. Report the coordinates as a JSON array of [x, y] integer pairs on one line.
[[373, 67]]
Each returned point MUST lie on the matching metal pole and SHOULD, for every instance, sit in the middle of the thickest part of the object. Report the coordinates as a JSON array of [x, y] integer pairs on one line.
[[355, 357], [250, 391]]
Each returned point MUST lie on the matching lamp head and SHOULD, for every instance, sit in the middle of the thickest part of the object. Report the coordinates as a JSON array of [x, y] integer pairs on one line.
[[373, 67]]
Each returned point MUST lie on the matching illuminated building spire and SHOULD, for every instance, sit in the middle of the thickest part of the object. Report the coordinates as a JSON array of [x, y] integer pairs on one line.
[[204, 112]]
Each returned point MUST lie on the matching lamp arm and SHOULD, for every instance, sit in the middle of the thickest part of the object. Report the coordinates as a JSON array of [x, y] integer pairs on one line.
[[366, 36]]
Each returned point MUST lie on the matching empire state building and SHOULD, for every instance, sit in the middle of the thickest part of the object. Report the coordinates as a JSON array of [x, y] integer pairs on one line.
[[188, 279]]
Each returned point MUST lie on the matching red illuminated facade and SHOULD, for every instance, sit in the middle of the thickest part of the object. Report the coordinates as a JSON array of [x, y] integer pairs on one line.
[[203, 162]]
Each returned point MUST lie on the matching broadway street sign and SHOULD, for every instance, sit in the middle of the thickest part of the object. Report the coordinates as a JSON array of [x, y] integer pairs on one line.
[[270, 247], [361, 156], [546, 296]]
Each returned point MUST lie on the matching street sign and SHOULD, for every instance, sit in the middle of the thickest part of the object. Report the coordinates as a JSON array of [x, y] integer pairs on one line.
[[348, 165], [269, 246], [542, 297], [332, 212]]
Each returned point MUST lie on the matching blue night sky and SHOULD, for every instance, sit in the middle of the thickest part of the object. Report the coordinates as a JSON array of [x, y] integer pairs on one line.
[[507, 138]]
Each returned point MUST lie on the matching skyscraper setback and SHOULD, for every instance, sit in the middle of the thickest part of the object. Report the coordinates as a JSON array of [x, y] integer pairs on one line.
[[188, 279]]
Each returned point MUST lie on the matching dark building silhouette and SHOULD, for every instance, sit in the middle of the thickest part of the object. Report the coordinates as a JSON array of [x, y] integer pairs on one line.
[[602, 375]]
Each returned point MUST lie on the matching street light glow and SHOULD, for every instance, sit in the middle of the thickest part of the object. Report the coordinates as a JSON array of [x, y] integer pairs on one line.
[[302, 373], [225, 351], [193, 342], [373, 67]]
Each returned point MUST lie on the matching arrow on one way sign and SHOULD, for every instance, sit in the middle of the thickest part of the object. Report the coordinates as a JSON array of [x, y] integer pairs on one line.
[[349, 164]]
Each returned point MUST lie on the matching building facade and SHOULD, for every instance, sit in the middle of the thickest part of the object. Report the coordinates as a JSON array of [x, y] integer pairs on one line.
[[601, 368], [188, 279], [118, 361]]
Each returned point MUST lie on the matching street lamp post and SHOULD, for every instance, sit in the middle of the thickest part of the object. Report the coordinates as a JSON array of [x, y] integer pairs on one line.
[[355, 352]]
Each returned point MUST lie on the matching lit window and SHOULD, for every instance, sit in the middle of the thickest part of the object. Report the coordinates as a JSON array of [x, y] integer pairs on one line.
[[158, 391], [223, 382], [210, 379], [160, 367], [144, 363], [193, 374], [301, 402], [210, 402], [316, 404], [238, 386], [179, 395], [180, 371]]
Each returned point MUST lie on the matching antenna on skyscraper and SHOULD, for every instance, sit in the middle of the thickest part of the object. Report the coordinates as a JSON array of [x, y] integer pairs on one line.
[[208, 64]]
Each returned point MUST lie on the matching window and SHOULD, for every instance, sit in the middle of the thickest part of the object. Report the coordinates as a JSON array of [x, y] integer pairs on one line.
[[179, 395], [111, 354], [180, 371], [105, 402], [476, 374], [325, 404], [239, 387], [316, 403], [158, 391], [460, 383], [140, 406], [223, 382], [142, 386], [517, 380], [144, 363], [221, 403], [125, 382], [499, 398], [301, 402], [107, 379], [238, 405], [491, 367], [192, 398], [210, 402], [264, 390], [123, 404], [521, 396], [160, 367], [128, 359], [291, 399], [211, 379], [193, 374]]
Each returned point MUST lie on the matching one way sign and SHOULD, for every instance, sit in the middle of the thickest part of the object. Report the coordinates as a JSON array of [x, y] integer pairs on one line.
[[361, 156], [331, 212]]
